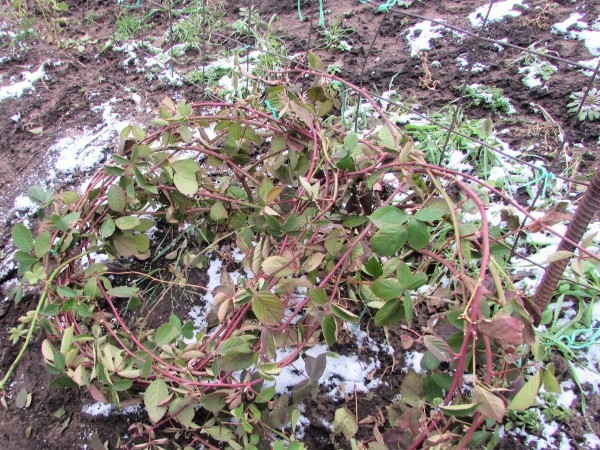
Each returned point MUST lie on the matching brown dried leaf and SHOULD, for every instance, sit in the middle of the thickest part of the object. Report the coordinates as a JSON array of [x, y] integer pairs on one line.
[[504, 328], [490, 405]]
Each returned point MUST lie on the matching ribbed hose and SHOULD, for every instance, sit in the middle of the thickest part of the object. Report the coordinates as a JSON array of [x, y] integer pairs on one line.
[[586, 211]]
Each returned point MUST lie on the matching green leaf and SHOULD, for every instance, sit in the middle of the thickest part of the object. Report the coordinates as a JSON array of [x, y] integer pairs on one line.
[[156, 393], [218, 211], [127, 222], [418, 234], [344, 314], [527, 394], [278, 266], [408, 309], [373, 267], [142, 243], [125, 245], [122, 291], [66, 292], [43, 244], [266, 186], [318, 295], [329, 327], [166, 334], [388, 240], [184, 410], [410, 281], [388, 215], [22, 237], [267, 308], [38, 195], [550, 381], [186, 183], [344, 422], [188, 166], [214, 402], [429, 214], [117, 200], [390, 314], [438, 348], [107, 228], [466, 409], [387, 289]]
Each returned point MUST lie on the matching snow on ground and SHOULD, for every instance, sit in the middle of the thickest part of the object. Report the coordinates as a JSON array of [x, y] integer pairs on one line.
[[574, 28], [499, 11], [17, 88], [343, 373], [420, 35], [106, 409]]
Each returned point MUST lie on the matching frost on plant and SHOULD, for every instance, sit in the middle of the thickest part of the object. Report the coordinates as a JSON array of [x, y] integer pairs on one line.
[[490, 97], [591, 104]]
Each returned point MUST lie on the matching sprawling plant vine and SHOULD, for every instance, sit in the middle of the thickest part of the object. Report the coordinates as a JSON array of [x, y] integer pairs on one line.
[[334, 225]]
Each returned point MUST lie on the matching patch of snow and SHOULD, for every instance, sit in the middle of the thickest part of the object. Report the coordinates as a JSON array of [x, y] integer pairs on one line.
[[17, 89], [412, 360], [591, 64], [420, 35], [572, 20], [499, 11], [343, 373], [98, 409], [590, 35], [592, 441]]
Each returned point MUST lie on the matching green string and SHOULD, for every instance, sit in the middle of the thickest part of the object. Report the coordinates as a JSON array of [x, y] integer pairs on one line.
[[341, 86], [571, 339], [321, 13], [386, 7], [272, 110], [544, 178]]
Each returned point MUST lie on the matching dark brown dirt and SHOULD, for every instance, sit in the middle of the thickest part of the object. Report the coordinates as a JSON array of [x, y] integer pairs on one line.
[[62, 103]]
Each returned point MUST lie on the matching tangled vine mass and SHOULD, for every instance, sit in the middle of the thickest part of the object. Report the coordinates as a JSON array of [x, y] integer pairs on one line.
[[335, 226]]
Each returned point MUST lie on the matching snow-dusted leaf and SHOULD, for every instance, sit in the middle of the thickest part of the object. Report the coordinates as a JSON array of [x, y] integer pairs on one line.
[[527, 394], [489, 404], [438, 348]]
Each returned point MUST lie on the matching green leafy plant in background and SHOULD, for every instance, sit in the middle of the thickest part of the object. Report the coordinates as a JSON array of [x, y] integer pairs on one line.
[[127, 25], [590, 110], [336, 37], [489, 97]]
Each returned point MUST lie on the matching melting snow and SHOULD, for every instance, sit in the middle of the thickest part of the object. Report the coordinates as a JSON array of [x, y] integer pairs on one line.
[[17, 89], [420, 35], [580, 30], [342, 373], [499, 11]]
